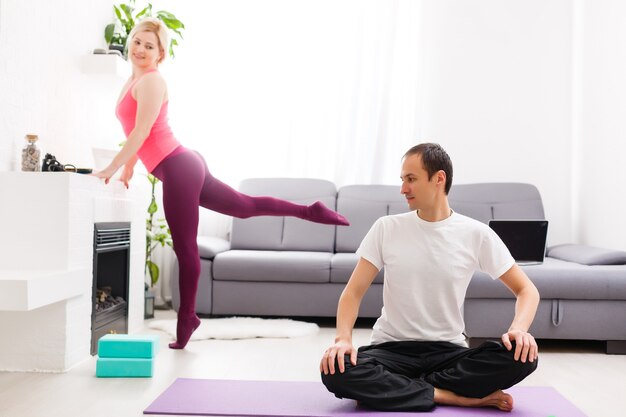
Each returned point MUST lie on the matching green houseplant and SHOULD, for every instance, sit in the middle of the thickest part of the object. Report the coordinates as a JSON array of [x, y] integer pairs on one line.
[[157, 233], [116, 33]]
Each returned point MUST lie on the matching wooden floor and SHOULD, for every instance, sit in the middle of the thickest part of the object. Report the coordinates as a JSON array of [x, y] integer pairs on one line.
[[592, 380]]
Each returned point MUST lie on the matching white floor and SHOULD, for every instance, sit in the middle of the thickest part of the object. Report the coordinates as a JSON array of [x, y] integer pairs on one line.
[[593, 381]]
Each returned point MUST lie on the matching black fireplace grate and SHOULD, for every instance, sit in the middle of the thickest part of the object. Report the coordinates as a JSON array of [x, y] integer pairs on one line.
[[112, 237], [110, 278]]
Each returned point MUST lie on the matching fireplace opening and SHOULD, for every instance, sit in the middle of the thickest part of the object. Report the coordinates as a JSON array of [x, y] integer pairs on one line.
[[111, 260]]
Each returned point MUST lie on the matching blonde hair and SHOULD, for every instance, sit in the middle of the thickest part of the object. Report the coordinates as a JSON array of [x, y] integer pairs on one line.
[[154, 25]]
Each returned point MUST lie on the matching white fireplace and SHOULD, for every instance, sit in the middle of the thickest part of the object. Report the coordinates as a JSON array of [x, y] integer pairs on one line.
[[46, 264]]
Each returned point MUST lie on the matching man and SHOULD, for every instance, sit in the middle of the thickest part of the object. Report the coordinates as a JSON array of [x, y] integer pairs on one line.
[[418, 356]]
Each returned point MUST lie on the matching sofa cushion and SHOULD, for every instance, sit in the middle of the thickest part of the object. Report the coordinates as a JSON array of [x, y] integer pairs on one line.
[[342, 265], [587, 255], [286, 233], [557, 279], [278, 266], [209, 246], [481, 212], [486, 201], [363, 205], [522, 210]]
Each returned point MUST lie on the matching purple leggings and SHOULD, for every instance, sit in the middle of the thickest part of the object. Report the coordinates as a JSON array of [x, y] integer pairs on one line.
[[187, 184]]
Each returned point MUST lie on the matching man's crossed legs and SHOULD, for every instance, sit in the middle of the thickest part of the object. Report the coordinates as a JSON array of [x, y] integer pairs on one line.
[[414, 376]]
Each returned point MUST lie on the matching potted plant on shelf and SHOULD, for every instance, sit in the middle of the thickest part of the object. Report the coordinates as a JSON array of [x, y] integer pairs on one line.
[[116, 33]]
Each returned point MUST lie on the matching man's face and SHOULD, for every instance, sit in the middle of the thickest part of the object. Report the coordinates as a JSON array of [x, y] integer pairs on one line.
[[420, 192]]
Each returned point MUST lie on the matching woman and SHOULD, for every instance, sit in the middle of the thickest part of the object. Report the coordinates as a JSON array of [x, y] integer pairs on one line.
[[187, 183]]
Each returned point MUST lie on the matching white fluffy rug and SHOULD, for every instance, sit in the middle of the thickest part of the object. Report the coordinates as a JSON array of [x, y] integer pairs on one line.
[[241, 328]]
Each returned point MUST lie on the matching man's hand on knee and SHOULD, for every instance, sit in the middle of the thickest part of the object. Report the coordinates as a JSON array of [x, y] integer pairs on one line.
[[525, 345], [337, 352]]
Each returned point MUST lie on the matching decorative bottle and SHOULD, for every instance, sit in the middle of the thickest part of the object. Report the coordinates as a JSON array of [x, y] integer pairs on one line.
[[31, 155]]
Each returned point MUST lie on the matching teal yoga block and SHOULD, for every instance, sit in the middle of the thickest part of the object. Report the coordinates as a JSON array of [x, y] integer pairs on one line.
[[124, 368], [128, 346]]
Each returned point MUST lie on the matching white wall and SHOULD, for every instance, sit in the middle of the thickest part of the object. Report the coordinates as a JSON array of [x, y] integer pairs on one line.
[[497, 90], [602, 159], [43, 89], [535, 92], [497, 77]]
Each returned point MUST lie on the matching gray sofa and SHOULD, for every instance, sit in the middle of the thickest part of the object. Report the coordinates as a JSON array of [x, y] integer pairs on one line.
[[275, 266]]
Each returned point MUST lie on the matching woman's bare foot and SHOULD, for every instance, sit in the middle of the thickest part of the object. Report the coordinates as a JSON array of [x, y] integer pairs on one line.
[[499, 399]]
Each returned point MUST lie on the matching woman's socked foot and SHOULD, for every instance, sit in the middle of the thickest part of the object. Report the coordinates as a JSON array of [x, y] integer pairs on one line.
[[184, 329], [319, 213]]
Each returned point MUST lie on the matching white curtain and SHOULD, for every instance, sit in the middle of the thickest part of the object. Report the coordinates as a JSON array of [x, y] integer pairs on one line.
[[292, 88]]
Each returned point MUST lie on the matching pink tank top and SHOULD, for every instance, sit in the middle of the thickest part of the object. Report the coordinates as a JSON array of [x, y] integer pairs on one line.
[[159, 143]]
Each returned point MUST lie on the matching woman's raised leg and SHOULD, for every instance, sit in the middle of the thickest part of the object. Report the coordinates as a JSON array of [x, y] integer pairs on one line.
[[222, 198]]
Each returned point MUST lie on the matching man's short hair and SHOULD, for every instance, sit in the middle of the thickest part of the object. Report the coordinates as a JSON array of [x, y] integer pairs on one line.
[[434, 159]]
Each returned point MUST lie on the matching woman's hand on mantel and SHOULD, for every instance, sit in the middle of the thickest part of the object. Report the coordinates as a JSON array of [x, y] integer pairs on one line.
[[105, 174], [126, 176]]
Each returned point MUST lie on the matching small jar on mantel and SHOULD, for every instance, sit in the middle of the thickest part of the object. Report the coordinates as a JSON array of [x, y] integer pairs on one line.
[[31, 155]]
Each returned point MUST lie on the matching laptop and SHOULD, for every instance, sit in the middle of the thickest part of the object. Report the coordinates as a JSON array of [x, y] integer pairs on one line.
[[525, 239]]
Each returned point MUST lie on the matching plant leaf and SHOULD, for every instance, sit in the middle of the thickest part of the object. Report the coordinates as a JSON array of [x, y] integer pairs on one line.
[[118, 13], [153, 269], [146, 11], [170, 20], [152, 208], [128, 11], [109, 31], [173, 43]]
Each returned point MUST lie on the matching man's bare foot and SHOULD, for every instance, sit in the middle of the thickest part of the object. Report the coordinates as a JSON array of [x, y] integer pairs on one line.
[[498, 399]]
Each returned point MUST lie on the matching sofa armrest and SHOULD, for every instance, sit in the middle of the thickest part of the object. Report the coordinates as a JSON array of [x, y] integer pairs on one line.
[[587, 255], [209, 246]]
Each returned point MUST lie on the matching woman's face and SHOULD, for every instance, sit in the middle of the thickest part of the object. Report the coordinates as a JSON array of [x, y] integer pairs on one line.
[[143, 50]]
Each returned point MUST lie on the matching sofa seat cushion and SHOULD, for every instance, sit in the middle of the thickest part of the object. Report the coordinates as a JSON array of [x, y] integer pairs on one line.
[[272, 266], [557, 279], [342, 265], [209, 246], [587, 255]]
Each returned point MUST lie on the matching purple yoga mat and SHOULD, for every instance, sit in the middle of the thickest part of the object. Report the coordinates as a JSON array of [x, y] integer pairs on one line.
[[209, 397]]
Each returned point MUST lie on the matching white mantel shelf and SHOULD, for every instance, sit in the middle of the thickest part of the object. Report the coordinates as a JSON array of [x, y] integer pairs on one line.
[[105, 64], [46, 264], [25, 291]]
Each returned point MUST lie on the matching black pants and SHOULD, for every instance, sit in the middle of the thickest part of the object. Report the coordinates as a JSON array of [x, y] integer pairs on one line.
[[402, 376]]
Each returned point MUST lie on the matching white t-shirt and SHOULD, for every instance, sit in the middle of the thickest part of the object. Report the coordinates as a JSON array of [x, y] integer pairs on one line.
[[428, 267]]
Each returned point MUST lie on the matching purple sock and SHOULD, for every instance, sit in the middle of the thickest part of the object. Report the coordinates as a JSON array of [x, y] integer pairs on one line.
[[319, 213], [184, 329]]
